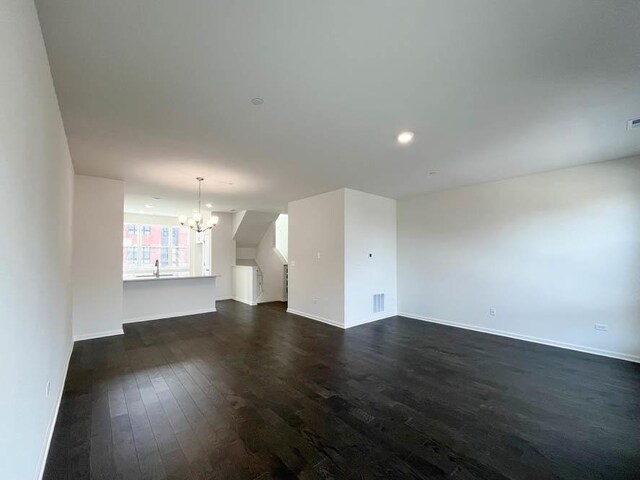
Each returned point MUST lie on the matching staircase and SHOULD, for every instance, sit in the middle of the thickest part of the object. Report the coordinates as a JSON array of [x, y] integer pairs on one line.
[[265, 235], [250, 226]]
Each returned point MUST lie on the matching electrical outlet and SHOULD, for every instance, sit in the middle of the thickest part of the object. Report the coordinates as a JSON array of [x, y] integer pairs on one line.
[[602, 327], [318, 255], [492, 312], [293, 263], [48, 390]]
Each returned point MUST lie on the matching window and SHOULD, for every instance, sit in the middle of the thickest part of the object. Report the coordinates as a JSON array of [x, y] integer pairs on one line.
[[131, 256], [146, 254], [142, 245]]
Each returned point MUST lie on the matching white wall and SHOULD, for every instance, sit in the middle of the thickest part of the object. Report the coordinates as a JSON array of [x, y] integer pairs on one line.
[[36, 185], [554, 253], [223, 255], [245, 284], [272, 267], [250, 225], [246, 253], [97, 257], [149, 219], [282, 235], [316, 285], [236, 220], [370, 229]]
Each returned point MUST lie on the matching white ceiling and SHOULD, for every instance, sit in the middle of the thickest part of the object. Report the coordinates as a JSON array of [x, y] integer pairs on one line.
[[157, 92]]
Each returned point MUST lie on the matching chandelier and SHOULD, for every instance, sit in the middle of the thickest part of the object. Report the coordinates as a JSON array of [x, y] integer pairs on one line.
[[196, 222]]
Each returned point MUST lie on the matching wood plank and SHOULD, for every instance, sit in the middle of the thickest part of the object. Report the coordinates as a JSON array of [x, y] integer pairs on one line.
[[255, 392]]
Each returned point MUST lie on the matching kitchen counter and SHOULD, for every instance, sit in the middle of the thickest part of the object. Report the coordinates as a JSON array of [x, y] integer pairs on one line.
[[166, 277], [153, 298]]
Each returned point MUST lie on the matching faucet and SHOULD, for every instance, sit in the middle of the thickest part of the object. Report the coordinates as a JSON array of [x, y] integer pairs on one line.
[[156, 270]]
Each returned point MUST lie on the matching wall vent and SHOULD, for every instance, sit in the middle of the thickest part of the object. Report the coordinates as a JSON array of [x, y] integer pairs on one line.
[[378, 303], [635, 123]]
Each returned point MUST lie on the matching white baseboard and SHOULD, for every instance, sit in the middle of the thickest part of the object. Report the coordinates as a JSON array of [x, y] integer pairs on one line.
[[242, 300], [148, 318], [218, 299], [53, 419], [375, 318], [333, 323], [526, 338], [328, 321], [91, 336], [270, 300], [340, 325]]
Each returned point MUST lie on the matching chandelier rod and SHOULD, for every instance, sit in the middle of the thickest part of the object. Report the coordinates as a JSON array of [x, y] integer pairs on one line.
[[200, 179]]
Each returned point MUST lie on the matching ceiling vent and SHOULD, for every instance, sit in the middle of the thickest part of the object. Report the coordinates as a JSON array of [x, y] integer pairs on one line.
[[635, 123]]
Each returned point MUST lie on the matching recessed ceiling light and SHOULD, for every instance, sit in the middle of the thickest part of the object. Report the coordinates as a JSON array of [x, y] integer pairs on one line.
[[208, 205], [405, 137], [257, 101], [148, 206], [433, 173], [155, 198]]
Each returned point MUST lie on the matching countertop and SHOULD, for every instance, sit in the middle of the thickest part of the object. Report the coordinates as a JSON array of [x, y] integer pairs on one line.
[[173, 277]]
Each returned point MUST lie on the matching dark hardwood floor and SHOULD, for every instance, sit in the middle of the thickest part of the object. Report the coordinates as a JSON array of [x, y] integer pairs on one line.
[[254, 392]]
